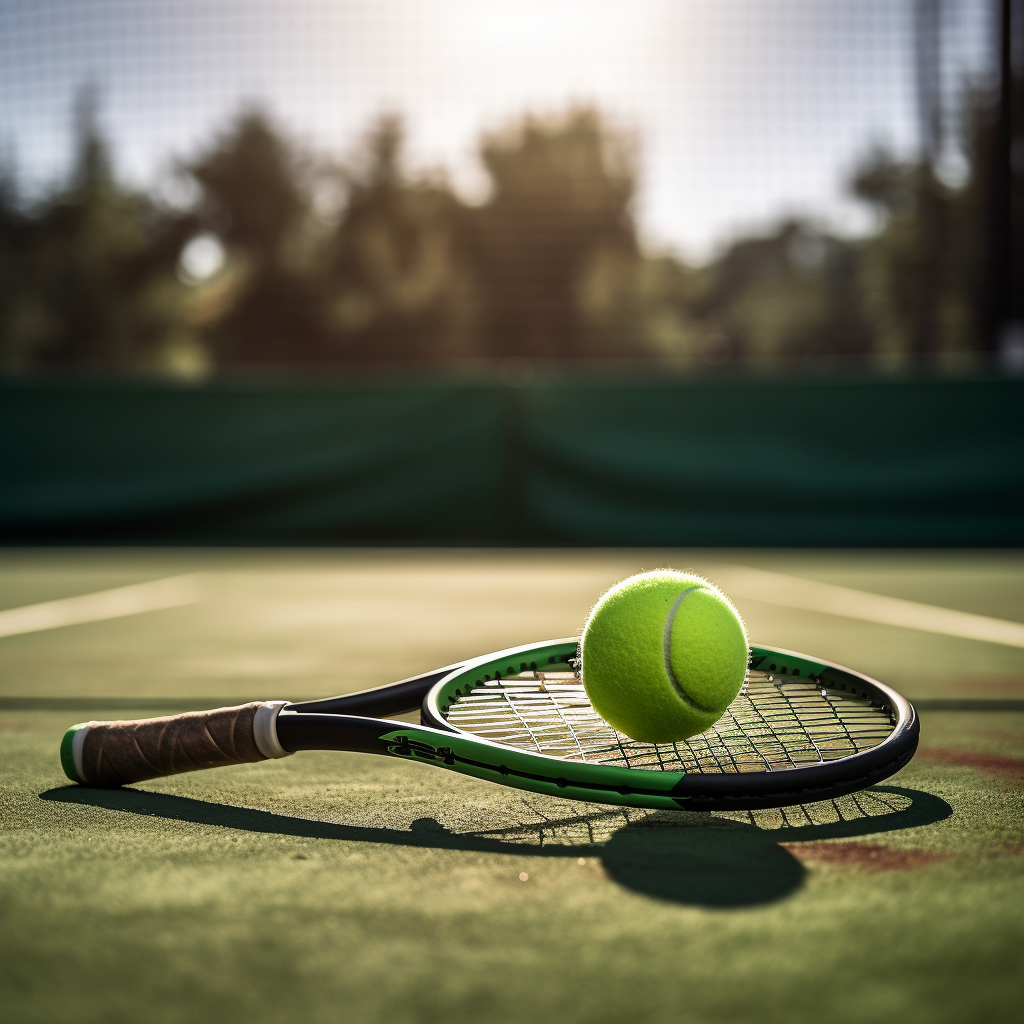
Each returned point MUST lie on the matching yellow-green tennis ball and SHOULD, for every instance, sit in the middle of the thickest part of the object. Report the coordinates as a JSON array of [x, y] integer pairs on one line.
[[663, 655]]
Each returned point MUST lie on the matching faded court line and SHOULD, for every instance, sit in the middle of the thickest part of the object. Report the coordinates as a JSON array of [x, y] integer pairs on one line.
[[170, 592], [812, 596]]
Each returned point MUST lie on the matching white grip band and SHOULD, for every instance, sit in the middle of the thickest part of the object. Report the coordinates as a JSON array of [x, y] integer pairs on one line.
[[264, 729]]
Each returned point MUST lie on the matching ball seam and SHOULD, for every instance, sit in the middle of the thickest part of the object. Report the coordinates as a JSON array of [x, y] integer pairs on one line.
[[667, 648]]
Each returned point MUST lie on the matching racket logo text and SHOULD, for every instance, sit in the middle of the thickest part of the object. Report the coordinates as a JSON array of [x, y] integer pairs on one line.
[[405, 747]]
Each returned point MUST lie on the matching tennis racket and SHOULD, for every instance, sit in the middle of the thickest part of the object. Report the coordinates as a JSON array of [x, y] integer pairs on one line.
[[800, 730]]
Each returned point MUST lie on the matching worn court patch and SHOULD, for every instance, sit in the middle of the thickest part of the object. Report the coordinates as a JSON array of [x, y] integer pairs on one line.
[[871, 857], [1005, 768]]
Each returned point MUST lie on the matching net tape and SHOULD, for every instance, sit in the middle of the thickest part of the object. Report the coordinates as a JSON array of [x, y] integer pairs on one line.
[[774, 724]]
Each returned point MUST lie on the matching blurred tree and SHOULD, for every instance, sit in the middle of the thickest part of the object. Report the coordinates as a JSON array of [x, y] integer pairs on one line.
[[562, 194], [639, 306], [925, 274], [19, 339], [913, 299], [398, 282], [87, 274], [256, 198], [789, 296]]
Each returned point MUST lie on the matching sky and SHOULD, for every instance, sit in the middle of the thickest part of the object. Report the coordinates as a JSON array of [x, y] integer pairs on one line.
[[743, 111]]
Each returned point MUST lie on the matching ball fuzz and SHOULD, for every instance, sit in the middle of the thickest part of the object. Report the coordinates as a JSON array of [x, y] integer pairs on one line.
[[663, 655]]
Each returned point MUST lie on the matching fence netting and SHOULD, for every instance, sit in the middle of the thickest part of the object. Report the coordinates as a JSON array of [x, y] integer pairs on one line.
[[192, 188]]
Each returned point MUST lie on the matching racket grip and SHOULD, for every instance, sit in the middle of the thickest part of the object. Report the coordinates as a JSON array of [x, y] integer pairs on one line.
[[117, 753]]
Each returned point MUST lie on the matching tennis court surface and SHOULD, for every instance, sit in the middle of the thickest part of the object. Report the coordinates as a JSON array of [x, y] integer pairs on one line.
[[338, 886]]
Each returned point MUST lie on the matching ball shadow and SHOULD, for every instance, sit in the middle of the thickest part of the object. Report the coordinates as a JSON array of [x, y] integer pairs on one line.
[[713, 864]]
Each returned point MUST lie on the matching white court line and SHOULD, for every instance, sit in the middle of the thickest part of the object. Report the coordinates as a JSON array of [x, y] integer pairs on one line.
[[809, 595], [738, 580], [170, 592]]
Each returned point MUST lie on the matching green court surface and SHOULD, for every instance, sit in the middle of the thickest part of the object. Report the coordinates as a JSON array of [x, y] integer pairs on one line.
[[331, 886]]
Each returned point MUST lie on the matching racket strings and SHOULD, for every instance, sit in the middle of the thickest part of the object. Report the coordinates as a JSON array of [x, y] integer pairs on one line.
[[774, 724]]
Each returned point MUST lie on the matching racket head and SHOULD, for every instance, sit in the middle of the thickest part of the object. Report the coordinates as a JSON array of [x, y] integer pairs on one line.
[[801, 729]]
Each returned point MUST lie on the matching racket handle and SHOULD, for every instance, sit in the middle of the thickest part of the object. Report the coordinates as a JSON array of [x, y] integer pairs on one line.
[[117, 753]]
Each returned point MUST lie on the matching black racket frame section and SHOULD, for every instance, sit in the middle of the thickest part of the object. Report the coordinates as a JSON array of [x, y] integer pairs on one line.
[[349, 722]]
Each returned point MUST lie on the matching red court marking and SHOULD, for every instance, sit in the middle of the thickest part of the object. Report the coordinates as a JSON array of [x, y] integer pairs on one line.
[[1003, 736], [866, 856], [1010, 851], [1007, 768]]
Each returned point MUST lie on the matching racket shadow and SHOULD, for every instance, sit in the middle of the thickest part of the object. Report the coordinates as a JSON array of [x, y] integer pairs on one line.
[[678, 856]]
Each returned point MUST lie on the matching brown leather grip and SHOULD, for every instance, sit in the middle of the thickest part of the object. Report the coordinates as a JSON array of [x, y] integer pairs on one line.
[[116, 753]]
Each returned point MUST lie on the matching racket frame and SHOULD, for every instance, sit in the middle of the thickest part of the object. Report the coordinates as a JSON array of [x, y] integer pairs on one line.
[[343, 723]]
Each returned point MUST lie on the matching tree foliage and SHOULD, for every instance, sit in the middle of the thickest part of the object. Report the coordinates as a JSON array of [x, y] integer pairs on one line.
[[562, 198], [398, 285], [87, 274], [328, 265]]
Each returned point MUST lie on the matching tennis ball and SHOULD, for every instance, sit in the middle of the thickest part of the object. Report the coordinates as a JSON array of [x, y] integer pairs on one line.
[[663, 655]]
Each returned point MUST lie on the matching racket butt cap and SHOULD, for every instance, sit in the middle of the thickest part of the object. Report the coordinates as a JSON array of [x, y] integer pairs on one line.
[[71, 752]]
